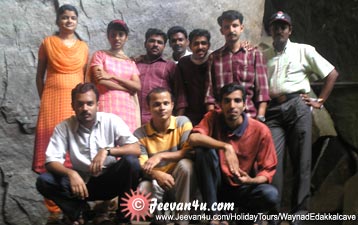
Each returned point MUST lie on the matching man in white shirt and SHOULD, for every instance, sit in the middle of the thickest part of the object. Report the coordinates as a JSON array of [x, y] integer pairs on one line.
[[94, 141], [289, 67]]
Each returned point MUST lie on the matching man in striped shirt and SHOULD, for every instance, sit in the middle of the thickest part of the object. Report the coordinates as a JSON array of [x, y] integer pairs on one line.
[[163, 143], [234, 63]]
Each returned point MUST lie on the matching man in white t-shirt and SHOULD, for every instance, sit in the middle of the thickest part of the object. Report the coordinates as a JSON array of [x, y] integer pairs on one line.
[[289, 67], [94, 140]]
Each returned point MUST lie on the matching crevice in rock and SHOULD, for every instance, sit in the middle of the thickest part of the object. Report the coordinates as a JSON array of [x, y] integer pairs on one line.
[[22, 208], [5, 186], [117, 10], [83, 9], [16, 34], [88, 33], [56, 4], [4, 83]]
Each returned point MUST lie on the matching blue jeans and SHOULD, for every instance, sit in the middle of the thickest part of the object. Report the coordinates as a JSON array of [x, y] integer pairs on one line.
[[116, 181]]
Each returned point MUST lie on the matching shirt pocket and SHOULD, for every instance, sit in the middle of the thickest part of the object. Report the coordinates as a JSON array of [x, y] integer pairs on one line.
[[294, 71]]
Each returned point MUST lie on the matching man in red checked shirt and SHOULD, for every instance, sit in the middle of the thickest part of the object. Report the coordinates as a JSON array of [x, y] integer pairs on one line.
[[235, 63], [246, 152]]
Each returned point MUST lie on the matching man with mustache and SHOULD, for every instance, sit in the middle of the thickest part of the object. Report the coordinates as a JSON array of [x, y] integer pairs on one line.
[[154, 70], [234, 63], [246, 153], [290, 67], [178, 41], [94, 141], [190, 75]]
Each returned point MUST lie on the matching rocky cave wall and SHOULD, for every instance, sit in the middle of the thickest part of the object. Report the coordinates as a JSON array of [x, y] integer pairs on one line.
[[26, 23]]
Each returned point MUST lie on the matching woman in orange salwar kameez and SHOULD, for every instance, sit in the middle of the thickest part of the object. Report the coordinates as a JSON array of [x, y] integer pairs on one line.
[[61, 66]]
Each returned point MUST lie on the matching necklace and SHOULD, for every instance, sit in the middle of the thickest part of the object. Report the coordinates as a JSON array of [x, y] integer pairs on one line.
[[119, 55]]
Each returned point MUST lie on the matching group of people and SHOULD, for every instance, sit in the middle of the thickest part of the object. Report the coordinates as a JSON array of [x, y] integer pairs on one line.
[[204, 125]]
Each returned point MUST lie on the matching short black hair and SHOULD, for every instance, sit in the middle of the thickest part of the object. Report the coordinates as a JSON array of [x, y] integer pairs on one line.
[[230, 15], [157, 90], [155, 31], [231, 87], [83, 88], [176, 29], [199, 33]]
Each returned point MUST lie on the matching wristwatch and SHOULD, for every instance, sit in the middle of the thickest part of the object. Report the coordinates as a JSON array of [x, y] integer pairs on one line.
[[261, 118], [108, 149]]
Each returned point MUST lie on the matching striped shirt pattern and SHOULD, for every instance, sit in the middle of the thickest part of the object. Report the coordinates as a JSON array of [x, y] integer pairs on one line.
[[245, 67], [175, 139]]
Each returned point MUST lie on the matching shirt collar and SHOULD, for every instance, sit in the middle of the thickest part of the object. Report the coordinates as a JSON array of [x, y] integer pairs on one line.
[[284, 49], [226, 48], [151, 131], [77, 125], [200, 61], [145, 59], [239, 131]]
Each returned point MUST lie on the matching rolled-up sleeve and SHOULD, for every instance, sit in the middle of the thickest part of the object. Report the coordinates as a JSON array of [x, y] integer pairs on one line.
[[56, 149], [123, 135]]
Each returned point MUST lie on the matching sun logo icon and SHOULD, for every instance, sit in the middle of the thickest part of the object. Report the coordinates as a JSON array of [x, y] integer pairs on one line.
[[136, 205]]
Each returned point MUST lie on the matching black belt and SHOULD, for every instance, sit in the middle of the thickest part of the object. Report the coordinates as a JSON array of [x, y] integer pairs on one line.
[[284, 98]]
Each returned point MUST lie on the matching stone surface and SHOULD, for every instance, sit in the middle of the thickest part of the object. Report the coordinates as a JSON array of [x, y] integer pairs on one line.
[[329, 197], [25, 23], [350, 198]]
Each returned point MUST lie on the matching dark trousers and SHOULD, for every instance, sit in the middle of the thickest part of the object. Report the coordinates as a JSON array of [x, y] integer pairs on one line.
[[291, 125], [208, 175], [250, 198], [116, 181]]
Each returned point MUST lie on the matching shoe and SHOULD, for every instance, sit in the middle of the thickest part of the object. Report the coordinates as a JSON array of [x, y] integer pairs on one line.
[[102, 219], [299, 212]]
